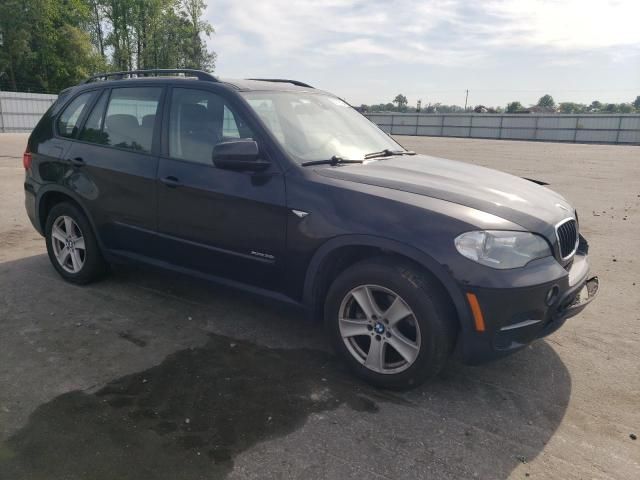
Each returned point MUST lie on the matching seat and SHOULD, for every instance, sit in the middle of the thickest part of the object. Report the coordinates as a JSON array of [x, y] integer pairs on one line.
[[123, 131], [148, 121], [146, 128], [196, 138]]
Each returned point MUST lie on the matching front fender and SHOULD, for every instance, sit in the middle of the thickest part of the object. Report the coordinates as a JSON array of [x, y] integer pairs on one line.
[[392, 246]]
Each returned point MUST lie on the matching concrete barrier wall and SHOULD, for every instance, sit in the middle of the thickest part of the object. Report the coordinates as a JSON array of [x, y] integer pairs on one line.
[[593, 128]]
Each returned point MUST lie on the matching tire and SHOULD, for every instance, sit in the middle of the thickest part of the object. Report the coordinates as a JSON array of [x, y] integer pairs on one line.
[[425, 335], [68, 227]]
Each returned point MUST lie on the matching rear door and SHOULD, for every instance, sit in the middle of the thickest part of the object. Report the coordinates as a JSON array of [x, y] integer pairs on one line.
[[221, 222], [115, 162]]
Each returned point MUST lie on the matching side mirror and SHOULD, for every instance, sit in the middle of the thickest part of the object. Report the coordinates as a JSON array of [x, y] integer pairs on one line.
[[241, 154]]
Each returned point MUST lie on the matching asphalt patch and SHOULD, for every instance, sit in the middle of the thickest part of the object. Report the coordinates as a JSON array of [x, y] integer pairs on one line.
[[186, 418]]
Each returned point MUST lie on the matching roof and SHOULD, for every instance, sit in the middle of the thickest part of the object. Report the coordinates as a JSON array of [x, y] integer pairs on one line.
[[168, 75]]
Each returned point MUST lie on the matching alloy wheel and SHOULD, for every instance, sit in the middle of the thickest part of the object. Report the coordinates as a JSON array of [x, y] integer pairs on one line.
[[68, 244], [379, 329]]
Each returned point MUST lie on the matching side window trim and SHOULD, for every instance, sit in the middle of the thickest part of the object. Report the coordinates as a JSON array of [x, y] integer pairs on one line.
[[164, 126], [158, 128], [106, 107], [85, 115]]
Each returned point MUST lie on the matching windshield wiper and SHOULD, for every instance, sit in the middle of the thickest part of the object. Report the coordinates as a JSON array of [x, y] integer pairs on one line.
[[335, 160], [388, 153]]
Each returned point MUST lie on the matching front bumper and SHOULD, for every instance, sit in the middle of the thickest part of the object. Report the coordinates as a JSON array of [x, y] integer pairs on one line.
[[514, 317]]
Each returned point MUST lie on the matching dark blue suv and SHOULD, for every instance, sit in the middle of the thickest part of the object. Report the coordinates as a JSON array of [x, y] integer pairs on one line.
[[286, 191]]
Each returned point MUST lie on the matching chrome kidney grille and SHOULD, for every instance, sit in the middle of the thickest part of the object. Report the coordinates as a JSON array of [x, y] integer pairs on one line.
[[567, 233]]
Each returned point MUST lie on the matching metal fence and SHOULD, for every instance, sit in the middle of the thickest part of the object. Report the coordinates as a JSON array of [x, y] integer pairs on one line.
[[19, 112], [593, 128]]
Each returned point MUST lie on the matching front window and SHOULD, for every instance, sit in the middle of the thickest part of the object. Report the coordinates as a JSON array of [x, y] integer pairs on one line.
[[198, 120], [316, 126]]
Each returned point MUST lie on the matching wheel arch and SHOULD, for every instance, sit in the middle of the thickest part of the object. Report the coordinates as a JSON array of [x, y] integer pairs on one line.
[[323, 264], [53, 195]]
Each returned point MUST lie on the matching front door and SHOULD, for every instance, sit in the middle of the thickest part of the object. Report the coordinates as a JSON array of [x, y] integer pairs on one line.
[[224, 223]]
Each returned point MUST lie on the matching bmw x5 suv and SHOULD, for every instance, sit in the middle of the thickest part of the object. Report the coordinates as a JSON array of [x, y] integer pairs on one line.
[[286, 191]]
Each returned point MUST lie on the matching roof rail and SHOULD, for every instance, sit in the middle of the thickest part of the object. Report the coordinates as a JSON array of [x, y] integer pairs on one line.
[[199, 74], [282, 80]]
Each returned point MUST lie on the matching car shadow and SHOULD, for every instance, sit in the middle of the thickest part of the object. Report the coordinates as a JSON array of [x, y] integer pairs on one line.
[[261, 374]]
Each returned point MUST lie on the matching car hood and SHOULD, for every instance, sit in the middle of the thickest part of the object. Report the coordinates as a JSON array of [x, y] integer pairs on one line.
[[521, 201]]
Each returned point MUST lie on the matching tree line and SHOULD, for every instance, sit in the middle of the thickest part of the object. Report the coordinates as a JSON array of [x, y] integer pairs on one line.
[[48, 45], [546, 104]]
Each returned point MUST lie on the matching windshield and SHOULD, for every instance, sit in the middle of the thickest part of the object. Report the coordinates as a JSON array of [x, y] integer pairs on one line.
[[315, 126]]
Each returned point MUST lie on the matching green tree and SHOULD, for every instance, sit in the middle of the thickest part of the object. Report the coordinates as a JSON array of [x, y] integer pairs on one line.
[[196, 54], [625, 108], [636, 103], [401, 102], [571, 107], [47, 47], [52, 44], [514, 107], [595, 106], [14, 24], [546, 101]]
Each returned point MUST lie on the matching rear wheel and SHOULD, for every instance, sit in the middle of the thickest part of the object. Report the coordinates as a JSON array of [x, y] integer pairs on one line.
[[72, 246], [391, 322]]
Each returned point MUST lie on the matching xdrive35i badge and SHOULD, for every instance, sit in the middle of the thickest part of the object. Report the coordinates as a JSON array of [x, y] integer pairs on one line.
[[262, 255]]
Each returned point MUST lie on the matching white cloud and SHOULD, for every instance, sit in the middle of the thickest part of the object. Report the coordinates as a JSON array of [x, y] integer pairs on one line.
[[567, 24], [445, 32], [416, 45], [392, 29]]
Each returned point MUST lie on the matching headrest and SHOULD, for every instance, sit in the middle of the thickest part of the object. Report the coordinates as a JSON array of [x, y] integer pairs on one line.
[[121, 122], [147, 121], [193, 113]]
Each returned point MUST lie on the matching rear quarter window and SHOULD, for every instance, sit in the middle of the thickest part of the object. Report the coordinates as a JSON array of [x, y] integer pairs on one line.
[[69, 120]]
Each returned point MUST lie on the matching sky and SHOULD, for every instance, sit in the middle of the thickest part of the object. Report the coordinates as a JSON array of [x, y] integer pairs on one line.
[[368, 51]]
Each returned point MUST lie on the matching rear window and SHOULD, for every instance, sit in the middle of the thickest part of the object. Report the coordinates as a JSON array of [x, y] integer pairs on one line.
[[131, 118]]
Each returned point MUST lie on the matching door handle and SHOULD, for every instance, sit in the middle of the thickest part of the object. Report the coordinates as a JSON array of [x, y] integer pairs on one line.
[[170, 181], [76, 162]]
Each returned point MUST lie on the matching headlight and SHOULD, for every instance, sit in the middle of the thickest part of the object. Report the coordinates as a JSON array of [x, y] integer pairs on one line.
[[502, 249]]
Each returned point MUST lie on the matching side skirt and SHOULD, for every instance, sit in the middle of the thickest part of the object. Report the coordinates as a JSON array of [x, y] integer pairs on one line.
[[124, 257]]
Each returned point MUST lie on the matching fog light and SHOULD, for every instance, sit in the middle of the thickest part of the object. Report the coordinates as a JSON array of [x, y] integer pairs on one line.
[[552, 294]]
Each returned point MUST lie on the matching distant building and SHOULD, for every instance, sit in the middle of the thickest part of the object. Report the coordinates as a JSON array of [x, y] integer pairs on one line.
[[483, 109]]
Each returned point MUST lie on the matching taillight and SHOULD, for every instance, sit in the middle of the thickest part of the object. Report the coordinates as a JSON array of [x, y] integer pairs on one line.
[[26, 159]]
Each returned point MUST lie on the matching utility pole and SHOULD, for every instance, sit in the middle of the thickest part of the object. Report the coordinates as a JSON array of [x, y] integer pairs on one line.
[[466, 97]]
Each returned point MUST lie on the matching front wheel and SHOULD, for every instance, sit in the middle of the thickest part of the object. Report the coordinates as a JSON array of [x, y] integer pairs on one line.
[[392, 323]]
